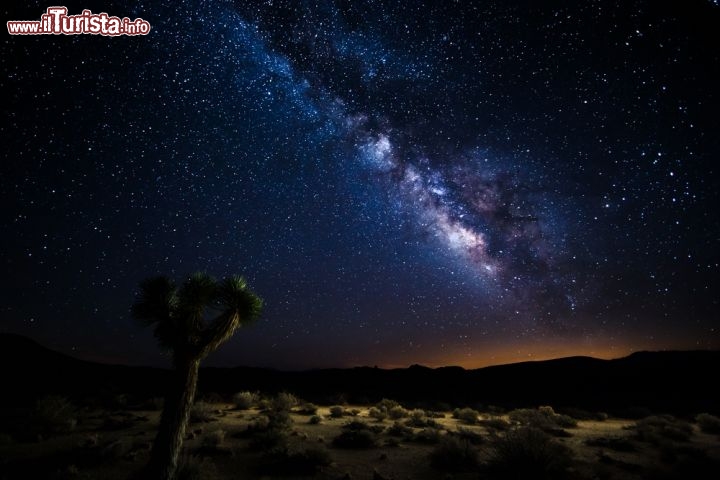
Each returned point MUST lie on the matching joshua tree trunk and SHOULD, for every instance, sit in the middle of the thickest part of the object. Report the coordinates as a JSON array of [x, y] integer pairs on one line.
[[179, 400], [180, 323], [174, 420]]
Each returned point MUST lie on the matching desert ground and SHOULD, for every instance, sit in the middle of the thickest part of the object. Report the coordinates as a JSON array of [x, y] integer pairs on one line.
[[282, 437]]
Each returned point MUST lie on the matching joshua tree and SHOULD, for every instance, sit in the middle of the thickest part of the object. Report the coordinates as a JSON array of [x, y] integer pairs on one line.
[[190, 322]]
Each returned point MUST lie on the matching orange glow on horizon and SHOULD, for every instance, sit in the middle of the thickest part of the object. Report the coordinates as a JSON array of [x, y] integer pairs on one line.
[[489, 355]]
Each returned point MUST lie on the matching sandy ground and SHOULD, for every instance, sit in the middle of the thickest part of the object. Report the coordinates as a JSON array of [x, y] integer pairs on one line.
[[112, 445]]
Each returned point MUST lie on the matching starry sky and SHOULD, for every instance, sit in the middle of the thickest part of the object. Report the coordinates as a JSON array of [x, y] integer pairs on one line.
[[457, 182]]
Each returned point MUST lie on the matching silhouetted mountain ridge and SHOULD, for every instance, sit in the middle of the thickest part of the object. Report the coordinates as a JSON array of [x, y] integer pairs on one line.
[[672, 381]]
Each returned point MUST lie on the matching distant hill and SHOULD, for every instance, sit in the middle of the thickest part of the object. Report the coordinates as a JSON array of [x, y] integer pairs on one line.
[[29, 370], [674, 381]]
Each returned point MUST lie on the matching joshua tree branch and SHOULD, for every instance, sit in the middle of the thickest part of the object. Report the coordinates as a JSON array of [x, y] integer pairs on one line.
[[218, 332]]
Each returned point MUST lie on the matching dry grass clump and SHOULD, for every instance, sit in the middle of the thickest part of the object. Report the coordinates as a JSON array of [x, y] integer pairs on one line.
[[201, 412], [356, 435], [419, 419], [336, 411], [528, 452], [659, 429], [543, 418], [468, 416], [246, 400], [454, 454], [377, 413]]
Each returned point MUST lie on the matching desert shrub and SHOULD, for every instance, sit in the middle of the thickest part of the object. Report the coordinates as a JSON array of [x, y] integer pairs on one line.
[[284, 401], [387, 404], [55, 414], [528, 417], [579, 414], [428, 435], [453, 454], [377, 414], [283, 461], [397, 412], [467, 416], [354, 412], [417, 414], [496, 424], [201, 412], [432, 414], [355, 439], [378, 429], [337, 411], [399, 430], [708, 423], [245, 400], [564, 421], [618, 444], [277, 411], [419, 419], [660, 428], [468, 435], [546, 410], [266, 432], [269, 439], [528, 452], [315, 420], [543, 418], [307, 408], [259, 424], [357, 425], [279, 419]]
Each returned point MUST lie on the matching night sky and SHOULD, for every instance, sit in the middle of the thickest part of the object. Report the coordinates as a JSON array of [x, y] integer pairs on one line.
[[452, 182]]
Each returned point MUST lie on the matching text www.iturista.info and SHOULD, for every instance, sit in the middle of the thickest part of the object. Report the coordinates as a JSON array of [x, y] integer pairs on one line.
[[56, 21]]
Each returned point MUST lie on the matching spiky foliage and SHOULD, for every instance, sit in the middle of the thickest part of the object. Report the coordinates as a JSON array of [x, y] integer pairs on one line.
[[156, 304], [180, 315], [191, 322]]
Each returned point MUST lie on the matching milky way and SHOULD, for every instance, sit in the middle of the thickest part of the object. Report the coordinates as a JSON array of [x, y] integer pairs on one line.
[[402, 182]]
